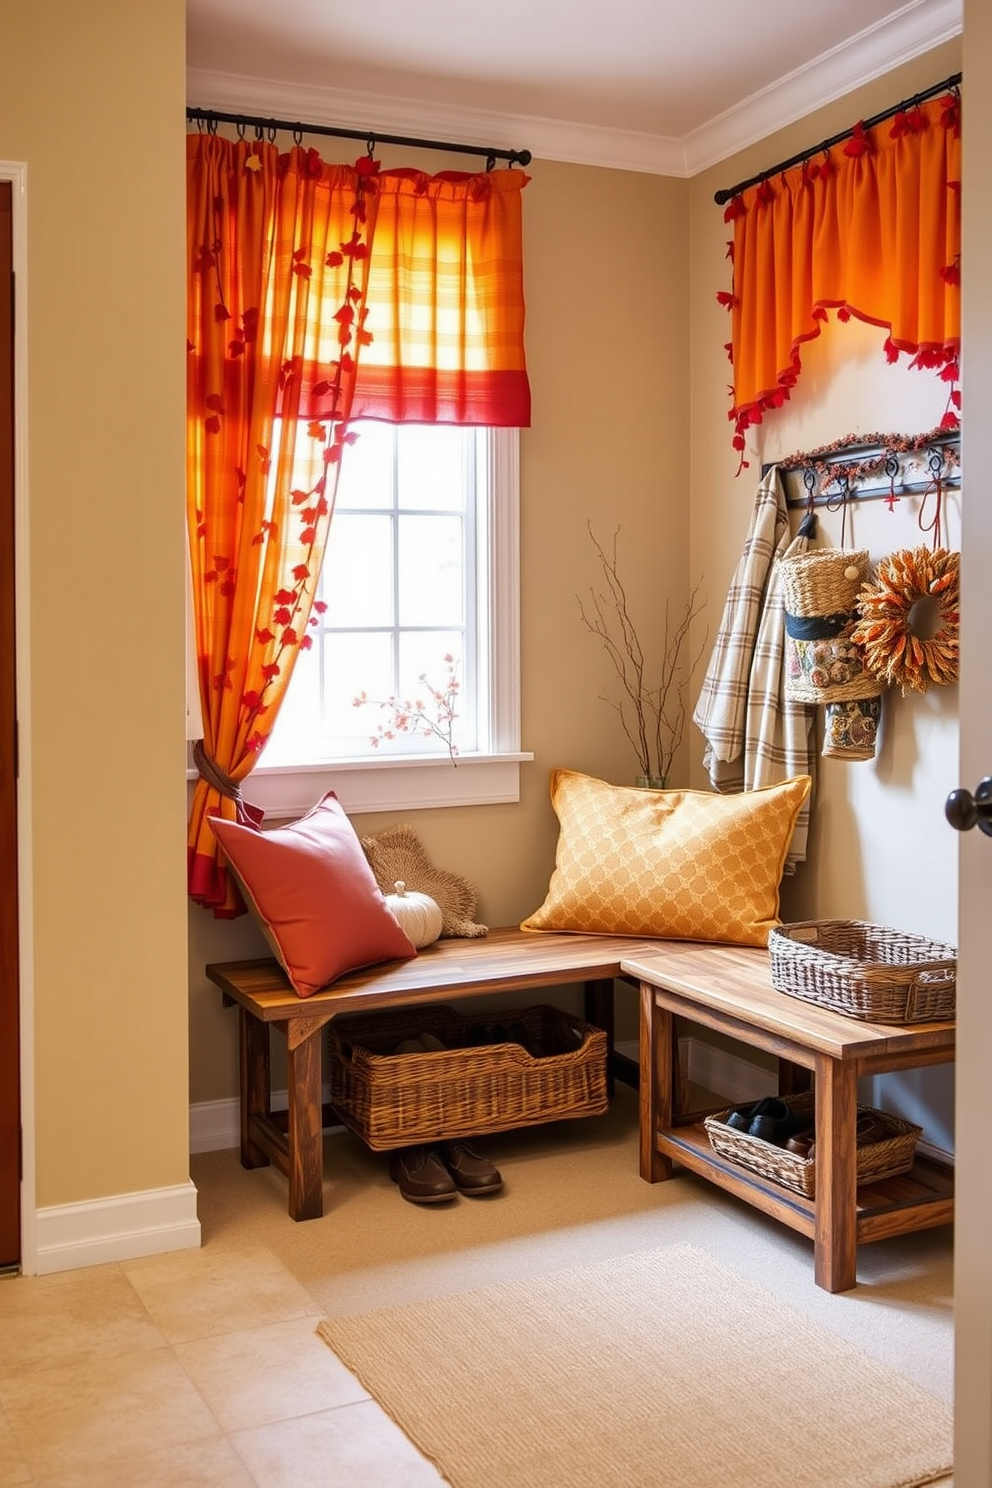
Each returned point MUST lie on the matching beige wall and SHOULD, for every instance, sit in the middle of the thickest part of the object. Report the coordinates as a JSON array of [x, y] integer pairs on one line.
[[629, 431], [91, 98], [879, 847], [606, 255]]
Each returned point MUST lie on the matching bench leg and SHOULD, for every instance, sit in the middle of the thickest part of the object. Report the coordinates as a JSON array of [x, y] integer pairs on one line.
[[657, 1084], [305, 1134], [836, 1238], [256, 1085], [598, 1009]]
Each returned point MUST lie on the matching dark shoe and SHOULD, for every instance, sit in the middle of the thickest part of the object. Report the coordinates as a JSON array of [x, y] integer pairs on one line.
[[470, 1171], [421, 1175], [802, 1146], [778, 1122], [740, 1117]]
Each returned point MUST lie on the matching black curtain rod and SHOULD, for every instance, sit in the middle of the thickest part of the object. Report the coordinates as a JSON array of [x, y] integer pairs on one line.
[[269, 127], [720, 197]]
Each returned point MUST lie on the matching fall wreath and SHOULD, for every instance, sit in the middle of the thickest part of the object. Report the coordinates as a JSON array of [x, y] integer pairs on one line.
[[885, 630]]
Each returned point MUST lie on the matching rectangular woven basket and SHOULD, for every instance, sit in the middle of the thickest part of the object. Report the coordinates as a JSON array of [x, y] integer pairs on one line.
[[865, 971], [466, 1089], [893, 1154]]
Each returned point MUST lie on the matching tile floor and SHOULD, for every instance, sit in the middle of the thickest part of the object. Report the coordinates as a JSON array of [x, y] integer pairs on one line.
[[202, 1368], [196, 1368]]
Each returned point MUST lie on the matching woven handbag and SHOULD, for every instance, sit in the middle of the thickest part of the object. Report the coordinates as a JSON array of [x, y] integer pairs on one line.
[[820, 593]]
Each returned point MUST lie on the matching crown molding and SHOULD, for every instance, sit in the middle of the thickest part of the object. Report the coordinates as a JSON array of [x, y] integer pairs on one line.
[[917, 28], [547, 139]]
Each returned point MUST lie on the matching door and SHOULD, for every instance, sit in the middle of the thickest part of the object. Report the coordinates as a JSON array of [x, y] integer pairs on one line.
[[973, 1101], [10, 1118]]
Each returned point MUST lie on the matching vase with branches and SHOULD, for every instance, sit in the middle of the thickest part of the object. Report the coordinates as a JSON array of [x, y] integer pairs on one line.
[[651, 706]]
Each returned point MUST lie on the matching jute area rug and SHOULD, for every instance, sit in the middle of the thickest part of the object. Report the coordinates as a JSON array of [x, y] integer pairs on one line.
[[661, 1368]]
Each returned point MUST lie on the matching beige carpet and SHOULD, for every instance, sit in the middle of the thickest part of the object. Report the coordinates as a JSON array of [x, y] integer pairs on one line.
[[663, 1367]]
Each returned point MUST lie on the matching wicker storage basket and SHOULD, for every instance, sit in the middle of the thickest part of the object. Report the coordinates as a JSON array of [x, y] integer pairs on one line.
[[396, 1100], [886, 1158], [865, 971]]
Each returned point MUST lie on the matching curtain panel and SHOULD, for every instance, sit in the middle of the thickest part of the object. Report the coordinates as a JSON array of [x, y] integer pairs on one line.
[[870, 228], [284, 252]]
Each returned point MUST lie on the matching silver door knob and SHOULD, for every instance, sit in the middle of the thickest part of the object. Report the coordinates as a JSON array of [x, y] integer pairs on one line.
[[964, 810]]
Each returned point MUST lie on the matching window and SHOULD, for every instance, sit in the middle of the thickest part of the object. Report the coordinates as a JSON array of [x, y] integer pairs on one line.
[[421, 565]]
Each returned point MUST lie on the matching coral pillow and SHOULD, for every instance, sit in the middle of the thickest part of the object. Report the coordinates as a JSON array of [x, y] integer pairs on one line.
[[314, 894], [676, 865]]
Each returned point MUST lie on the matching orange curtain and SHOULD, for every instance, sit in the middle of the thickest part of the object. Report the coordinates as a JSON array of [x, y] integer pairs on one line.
[[446, 302], [277, 249], [870, 228], [299, 273]]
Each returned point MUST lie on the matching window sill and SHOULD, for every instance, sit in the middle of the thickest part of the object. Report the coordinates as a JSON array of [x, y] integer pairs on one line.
[[287, 791]]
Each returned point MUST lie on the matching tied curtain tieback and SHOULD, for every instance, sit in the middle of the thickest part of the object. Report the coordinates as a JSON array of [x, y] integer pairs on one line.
[[214, 775]]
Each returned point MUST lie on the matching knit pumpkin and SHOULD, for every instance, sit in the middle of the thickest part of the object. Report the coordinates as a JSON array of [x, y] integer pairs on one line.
[[419, 915]]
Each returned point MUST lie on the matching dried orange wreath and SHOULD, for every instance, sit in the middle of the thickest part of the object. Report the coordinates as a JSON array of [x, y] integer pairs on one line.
[[884, 631]]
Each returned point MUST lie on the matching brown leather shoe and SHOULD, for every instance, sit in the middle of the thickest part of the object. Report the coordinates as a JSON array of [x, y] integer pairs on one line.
[[421, 1175], [473, 1173]]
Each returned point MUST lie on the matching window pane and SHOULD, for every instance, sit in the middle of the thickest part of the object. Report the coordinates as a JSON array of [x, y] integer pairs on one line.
[[354, 664], [357, 579], [431, 580], [367, 468], [431, 468]]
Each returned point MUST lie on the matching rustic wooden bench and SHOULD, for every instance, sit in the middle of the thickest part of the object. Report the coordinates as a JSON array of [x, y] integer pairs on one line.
[[729, 989], [504, 961]]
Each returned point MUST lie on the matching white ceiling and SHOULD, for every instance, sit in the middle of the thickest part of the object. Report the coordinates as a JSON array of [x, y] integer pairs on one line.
[[669, 86]]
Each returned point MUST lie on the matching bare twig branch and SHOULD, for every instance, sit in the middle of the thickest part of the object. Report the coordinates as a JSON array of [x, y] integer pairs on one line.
[[652, 715]]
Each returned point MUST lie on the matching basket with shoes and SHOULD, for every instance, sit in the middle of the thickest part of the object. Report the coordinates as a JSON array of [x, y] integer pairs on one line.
[[775, 1137]]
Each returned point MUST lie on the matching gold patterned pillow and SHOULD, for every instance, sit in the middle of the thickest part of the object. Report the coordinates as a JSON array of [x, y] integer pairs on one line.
[[676, 865]]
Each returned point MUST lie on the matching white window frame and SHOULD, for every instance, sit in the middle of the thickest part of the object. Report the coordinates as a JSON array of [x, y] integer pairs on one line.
[[414, 783]]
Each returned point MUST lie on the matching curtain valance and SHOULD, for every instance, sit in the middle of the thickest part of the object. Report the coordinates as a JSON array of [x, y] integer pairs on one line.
[[870, 228]]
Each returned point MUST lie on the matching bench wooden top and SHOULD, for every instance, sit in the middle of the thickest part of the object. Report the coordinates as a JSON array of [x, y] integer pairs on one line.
[[504, 960], [735, 982]]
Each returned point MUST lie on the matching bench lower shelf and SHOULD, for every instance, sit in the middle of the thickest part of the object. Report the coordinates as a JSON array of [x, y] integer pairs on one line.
[[920, 1199]]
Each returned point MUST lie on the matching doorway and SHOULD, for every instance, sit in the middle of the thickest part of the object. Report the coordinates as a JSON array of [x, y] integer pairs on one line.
[[10, 1117]]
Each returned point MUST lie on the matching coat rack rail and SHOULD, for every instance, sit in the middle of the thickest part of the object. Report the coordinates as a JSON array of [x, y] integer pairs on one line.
[[871, 471]]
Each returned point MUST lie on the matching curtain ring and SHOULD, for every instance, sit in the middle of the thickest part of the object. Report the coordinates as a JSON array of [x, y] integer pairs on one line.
[[490, 163], [241, 130], [271, 133], [370, 146], [297, 135], [259, 133]]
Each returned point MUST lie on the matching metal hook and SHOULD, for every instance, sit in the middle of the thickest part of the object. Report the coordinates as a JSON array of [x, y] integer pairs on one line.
[[809, 481], [935, 462], [241, 130], [490, 163], [370, 146], [297, 136], [891, 468]]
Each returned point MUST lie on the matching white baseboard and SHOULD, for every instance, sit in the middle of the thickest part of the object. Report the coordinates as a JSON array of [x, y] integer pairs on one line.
[[120, 1228], [215, 1126]]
